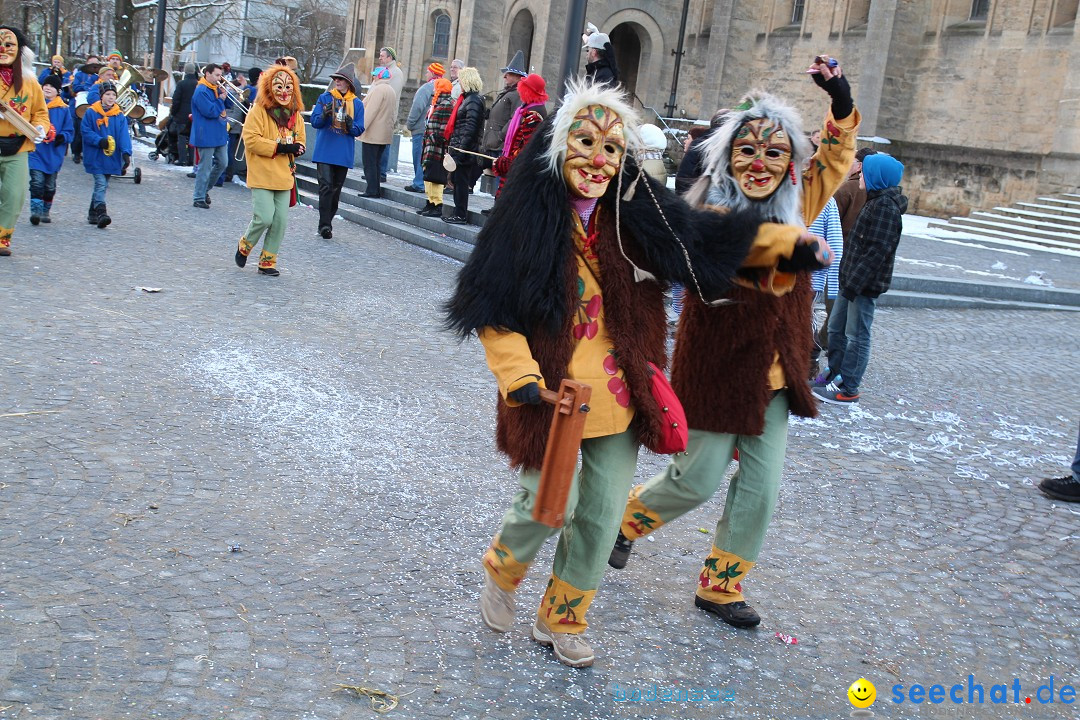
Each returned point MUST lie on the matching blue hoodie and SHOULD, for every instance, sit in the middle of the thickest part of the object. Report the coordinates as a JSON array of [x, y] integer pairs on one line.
[[882, 171], [333, 147], [49, 157]]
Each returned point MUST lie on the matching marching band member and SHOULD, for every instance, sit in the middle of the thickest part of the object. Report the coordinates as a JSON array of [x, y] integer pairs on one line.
[[48, 158], [20, 93], [338, 119], [106, 149]]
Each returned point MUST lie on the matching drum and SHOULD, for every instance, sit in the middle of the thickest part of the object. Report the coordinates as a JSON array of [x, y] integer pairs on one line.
[[81, 103], [149, 112]]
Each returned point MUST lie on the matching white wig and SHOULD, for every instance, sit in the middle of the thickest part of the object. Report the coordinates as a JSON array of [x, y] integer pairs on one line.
[[785, 204], [581, 93]]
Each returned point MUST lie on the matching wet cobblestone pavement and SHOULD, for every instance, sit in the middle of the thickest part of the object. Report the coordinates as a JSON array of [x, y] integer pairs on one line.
[[224, 499]]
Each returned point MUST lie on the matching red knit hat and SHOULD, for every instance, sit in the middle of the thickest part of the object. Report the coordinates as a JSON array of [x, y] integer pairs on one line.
[[436, 69], [532, 89]]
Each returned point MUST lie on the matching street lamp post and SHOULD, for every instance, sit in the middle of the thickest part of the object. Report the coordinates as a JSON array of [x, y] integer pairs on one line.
[[678, 53], [575, 23], [159, 47], [56, 27]]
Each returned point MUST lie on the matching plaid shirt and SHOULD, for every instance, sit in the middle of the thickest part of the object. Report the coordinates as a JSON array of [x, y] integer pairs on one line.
[[867, 266]]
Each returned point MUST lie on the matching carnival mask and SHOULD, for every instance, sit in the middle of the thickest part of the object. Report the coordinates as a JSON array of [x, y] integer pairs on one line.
[[595, 147], [9, 47], [760, 157], [281, 85]]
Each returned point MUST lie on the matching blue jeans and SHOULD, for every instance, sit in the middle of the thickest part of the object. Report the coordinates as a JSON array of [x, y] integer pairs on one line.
[[212, 161], [418, 172], [849, 339], [42, 185], [101, 184]]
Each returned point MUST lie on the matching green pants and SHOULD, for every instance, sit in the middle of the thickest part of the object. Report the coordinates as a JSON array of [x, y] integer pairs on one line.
[[693, 478], [270, 210], [595, 504], [14, 183]]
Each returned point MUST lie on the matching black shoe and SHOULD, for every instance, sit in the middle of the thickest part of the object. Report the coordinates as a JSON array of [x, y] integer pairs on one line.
[[35, 219], [382, 178], [371, 195], [240, 258], [103, 218], [433, 211], [326, 232], [738, 614], [76, 158], [413, 188], [427, 206], [1063, 488], [486, 211], [201, 204], [456, 220], [191, 175], [620, 553], [272, 272]]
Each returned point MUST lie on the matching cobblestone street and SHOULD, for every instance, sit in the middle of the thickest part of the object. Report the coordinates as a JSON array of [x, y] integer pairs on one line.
[[226, 498]]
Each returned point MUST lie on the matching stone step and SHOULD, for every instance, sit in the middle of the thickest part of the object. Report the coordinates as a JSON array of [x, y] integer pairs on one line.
[[1040, 223], [1057, 211], [1061, 201], [442, 244], [395, 211], [1043, 237], [1012, 292], [1010, 239], [1044, 219], [910, 299]]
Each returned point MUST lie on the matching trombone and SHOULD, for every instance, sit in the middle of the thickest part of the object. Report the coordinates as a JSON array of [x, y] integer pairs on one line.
[[240, 98]]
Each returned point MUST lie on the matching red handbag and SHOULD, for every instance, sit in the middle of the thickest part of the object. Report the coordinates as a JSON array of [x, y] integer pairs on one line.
[[674, 432]]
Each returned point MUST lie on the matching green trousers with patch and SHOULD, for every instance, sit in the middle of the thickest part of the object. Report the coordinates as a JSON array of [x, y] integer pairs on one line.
[[593, 509], [270, 215]]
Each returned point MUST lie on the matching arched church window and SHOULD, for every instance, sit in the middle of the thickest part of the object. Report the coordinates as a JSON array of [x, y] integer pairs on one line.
[[440, 45]]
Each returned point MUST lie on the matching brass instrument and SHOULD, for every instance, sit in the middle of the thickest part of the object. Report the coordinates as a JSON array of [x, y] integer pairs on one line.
[[126, 97], [21, 124], [240, 98]]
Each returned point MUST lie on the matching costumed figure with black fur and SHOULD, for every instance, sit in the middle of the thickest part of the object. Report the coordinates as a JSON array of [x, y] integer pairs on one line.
[[273, 138], [740, 367], [20, 93], [567, 281]]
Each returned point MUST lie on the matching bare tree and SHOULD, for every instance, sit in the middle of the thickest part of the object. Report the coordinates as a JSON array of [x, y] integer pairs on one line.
[[312, 32]]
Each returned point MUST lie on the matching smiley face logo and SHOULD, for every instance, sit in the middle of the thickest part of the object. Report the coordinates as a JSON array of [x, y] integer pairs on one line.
[[862, 693]]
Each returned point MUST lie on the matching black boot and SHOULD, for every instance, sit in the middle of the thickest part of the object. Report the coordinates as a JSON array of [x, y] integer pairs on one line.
[[103, 217], [427, 206], [621, 552], [92, 214]]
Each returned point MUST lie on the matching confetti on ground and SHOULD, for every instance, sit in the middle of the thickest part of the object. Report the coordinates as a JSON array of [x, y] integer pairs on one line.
[[787, 639]]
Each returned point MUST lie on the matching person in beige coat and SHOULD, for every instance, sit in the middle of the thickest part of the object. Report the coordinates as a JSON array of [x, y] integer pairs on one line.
[[380, 111]]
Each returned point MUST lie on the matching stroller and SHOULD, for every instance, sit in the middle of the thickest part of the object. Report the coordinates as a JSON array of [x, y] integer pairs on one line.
[[165, 145]]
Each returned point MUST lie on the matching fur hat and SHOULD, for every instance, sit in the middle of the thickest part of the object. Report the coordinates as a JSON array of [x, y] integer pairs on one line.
[[516, 65], [52, 81], [785, 204]]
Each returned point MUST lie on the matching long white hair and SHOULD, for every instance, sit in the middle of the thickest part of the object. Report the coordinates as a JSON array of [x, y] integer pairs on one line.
[[785, 204], [581, 93]]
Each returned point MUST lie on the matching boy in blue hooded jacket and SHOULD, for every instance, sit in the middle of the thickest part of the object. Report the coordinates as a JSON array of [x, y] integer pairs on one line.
[[865, 273], [106, 149], [48, 157]]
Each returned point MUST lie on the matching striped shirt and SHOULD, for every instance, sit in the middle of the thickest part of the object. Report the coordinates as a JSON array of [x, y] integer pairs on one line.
[[827, 225]]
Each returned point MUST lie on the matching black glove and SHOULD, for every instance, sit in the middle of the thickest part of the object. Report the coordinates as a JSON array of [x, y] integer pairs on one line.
[[103, 143], [127, 162], [839, 91], [289, 148], [848, 295], [526, 394], [803, 257]]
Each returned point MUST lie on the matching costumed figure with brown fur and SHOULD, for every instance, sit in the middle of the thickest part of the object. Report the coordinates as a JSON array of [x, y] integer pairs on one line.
[[20, 93], [740, 367], [567, 281], [273, 138]]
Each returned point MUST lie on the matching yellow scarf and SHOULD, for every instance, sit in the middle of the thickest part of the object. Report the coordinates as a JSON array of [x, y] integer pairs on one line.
[[347, 98], [203, 81], [106, 114], [56, 102]]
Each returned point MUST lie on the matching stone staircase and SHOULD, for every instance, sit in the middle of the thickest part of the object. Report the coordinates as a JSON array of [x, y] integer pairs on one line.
[[1049, 224]]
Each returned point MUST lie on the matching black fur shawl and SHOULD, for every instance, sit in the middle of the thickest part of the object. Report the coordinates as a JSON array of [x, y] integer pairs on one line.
[[513, 278]]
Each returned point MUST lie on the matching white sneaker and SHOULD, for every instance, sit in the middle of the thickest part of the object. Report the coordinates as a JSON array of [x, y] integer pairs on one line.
[[570, 648], [496, 605]]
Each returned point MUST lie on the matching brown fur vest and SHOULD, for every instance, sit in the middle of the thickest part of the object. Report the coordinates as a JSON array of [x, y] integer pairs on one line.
[[723, 355], [636, 323]]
